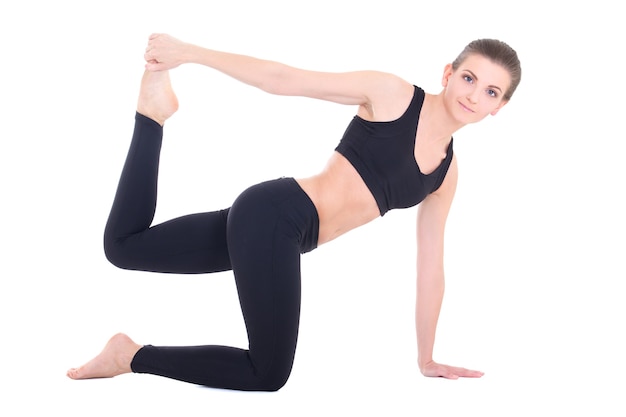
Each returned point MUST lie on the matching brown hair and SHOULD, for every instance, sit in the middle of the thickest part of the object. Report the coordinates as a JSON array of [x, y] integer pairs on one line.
[[498, 52]]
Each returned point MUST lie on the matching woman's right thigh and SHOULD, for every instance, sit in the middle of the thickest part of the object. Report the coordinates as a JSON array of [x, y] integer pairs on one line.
[[190, 244]]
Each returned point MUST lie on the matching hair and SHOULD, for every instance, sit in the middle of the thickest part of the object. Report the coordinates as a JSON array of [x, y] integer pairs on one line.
[[499, 53]]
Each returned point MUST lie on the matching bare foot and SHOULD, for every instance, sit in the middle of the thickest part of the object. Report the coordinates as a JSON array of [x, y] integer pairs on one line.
[[157, 99], [114, 360]]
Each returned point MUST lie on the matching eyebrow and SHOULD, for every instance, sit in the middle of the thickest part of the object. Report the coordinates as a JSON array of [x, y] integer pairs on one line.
[[476, 78]]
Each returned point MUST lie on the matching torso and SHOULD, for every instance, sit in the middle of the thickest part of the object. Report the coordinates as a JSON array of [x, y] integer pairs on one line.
[[342, 199]]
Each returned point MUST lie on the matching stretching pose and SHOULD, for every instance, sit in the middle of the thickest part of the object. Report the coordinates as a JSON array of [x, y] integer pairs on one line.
[[395, 153]]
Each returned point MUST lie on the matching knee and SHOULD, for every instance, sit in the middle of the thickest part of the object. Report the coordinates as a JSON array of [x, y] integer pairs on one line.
[[273, 383], [115, 254], [275, 378]]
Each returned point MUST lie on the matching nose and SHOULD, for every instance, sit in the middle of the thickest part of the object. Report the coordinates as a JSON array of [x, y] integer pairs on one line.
[[472, 96]]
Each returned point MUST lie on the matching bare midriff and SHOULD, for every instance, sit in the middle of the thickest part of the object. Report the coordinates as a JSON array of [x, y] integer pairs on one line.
[[342, 199]]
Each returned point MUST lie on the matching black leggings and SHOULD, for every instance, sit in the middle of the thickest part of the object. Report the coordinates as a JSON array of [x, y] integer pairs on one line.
[[260, 238]]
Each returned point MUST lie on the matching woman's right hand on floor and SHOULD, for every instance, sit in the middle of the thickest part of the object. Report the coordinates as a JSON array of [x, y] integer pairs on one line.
[[434, 369]]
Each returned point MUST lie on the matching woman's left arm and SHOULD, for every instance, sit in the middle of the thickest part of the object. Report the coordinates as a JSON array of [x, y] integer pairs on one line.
[[431, 220]]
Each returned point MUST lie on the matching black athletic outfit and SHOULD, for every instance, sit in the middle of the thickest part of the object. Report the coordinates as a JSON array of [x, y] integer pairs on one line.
[[260, 237]]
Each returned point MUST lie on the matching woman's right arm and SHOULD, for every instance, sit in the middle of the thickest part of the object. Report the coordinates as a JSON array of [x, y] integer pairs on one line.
[[353, 88]]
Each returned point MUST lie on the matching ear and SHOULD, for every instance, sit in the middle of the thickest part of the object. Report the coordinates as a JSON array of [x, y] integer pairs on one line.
[[447, 72], [497, 109]]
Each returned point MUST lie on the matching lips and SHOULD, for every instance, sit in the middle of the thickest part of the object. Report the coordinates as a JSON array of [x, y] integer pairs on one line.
[[467, 109]]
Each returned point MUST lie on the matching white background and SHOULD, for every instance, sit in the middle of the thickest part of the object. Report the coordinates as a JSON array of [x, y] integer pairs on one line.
[[535, 239]]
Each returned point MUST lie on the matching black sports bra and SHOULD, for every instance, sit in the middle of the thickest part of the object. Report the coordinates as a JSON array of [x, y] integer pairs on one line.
[[383, 153]]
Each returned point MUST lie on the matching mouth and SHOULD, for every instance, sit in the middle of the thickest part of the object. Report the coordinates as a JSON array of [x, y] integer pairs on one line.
[[467, 109]]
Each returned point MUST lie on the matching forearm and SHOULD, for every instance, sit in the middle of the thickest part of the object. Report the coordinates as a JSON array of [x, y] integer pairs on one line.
[[430, 289], [260, 73]]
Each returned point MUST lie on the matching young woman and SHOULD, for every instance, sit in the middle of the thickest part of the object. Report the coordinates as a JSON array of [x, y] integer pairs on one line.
[[396, 153]]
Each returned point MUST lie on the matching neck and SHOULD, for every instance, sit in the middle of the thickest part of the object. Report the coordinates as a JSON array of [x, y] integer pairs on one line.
[[440, 125]]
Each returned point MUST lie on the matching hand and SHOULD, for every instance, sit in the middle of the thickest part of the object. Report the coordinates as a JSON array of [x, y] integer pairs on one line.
[[434, 369], [164, 52]]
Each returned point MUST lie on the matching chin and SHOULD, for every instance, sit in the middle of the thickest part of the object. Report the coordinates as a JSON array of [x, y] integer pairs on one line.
[[476, 119], [466, 118], [462, 114]]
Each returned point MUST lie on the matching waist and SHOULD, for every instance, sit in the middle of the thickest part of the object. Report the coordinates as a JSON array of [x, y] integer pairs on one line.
[[342, 199]]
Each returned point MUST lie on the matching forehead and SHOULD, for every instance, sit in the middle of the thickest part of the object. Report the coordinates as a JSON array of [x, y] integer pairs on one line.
[[486, 70]]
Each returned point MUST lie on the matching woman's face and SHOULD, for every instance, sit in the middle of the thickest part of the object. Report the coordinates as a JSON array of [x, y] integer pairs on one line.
[[475, 89]]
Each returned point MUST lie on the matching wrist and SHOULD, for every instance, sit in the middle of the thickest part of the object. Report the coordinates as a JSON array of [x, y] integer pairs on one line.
[[190, 54], [422, 362]]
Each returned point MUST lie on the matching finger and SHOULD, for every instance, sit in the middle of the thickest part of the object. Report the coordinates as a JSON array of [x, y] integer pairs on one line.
[[153, 66], [468, 373]]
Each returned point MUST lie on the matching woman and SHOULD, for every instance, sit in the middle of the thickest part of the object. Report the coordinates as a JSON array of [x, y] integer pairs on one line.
[[396, 153]]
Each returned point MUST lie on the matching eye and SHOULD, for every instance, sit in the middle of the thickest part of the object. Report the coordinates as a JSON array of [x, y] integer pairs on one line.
[[492, 93], [468, 78]]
